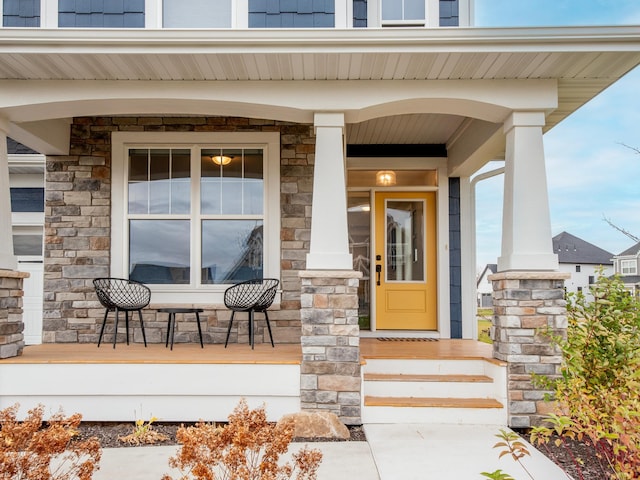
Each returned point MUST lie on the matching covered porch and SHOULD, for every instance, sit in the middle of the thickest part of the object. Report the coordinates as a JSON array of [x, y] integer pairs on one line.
[[189, 383]]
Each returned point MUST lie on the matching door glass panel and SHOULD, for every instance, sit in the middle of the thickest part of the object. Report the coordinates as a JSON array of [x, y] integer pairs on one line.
[[404, 241], [359, 221]]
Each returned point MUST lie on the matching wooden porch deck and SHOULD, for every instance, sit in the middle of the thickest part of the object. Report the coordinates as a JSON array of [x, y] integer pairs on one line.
[[287, 354]]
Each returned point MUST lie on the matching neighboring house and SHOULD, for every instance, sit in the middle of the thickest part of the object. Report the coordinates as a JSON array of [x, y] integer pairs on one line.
[[207, 141], [582, 260], [627, 265], [484, 288], [26, 180]]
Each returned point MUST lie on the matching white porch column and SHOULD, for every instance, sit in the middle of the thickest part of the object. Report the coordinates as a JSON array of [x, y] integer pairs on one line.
[[329, 249], [7, 259], [526, 225]]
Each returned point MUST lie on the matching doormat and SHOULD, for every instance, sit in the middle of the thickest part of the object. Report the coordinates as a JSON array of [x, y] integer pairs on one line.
[[406, 339]]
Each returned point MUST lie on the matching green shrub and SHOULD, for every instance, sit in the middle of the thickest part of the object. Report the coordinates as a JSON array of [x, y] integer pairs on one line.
[[598, 391]]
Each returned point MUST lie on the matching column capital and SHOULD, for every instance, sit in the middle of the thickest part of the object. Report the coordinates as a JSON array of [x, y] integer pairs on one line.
[[4, 125], [524, 119], [328, 120]]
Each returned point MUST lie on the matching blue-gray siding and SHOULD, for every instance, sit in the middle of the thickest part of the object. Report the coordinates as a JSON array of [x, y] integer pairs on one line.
[[18, 148], [449, 13], [359, 13], [101, 13], [291, 13], [27, 199], [21, 13], [455, 260]]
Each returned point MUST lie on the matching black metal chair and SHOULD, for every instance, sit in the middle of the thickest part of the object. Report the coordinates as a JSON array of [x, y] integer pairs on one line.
[[120, 294], [255, 295]]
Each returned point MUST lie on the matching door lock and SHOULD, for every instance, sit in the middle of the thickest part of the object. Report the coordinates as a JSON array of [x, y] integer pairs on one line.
[[378, 270]]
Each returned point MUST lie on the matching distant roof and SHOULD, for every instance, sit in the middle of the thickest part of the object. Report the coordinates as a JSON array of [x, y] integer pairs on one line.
[[14, 147], [571, 249], [629, 279], [490, 268], [631, 250]]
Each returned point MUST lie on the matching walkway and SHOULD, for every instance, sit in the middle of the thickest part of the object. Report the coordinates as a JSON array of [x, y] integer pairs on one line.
[[392, 452]]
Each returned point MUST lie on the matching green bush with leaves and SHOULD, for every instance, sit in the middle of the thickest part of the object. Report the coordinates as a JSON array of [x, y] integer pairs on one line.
[[598, 391]]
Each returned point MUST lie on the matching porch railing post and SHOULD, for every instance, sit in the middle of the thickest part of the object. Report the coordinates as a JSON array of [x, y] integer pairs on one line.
[[330, 371], [525, 304]]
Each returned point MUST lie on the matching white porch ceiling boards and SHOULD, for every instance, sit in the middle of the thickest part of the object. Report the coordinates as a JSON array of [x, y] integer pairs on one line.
[[584, 60]]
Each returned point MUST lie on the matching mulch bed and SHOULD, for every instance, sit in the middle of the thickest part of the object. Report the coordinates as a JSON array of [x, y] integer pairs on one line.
[[108, 433], [574, 457]]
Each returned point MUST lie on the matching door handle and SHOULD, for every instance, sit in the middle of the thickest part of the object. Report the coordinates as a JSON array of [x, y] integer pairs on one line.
[[378, 270]]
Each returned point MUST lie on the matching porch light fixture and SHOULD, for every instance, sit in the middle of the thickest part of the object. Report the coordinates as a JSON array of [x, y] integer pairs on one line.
[[221, 159], [385, 178]]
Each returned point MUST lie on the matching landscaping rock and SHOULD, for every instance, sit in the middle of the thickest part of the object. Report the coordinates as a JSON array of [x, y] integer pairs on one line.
[[317, 425]]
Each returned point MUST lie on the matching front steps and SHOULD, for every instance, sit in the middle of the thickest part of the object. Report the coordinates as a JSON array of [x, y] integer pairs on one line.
[[453, 391]]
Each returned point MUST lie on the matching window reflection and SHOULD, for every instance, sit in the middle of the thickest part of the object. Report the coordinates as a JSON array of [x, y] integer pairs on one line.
[[159, 251], [232, 250]]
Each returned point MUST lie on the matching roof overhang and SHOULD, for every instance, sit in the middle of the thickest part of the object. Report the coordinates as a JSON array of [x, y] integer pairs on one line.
[[582, 61]]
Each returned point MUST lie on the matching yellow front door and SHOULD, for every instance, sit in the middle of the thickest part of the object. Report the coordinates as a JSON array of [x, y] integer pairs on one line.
[[405, 261]]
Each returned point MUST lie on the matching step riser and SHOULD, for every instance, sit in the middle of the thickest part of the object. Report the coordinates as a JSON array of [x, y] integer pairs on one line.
[[474, 416], [430, 389], [496, 389], [426, 367]]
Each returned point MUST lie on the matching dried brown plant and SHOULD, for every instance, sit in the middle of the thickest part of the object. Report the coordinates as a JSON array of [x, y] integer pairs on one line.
[[35, 450], [247, 448]]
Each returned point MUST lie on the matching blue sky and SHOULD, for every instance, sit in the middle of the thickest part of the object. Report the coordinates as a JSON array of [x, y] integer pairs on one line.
[[590, 173]]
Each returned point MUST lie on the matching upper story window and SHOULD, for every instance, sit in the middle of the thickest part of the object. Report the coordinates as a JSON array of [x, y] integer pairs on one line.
[[628, 267], [196, 13], [403, 12]]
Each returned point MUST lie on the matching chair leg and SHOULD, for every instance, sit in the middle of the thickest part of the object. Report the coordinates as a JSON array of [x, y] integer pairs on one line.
[[229, 329], [251, 329], [144, 337], [104, 322], [266, 317], [126, 324], [199, 329], [115, 330]]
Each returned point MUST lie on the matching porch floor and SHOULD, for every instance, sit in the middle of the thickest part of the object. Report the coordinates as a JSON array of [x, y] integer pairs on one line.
[[287, 354]]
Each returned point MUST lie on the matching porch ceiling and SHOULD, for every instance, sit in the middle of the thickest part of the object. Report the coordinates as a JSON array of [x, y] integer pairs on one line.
[[584, 61]]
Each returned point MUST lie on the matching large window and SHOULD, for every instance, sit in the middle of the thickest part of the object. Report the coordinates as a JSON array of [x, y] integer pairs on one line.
[[195, 217]]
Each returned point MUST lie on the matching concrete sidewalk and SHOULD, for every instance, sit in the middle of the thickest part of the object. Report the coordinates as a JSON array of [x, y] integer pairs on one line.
[[392, 452]]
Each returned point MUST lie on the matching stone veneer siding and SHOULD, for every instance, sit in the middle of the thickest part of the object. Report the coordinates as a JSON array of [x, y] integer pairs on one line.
[[11, 324], [524, 303], [330, 370], [78, 232]]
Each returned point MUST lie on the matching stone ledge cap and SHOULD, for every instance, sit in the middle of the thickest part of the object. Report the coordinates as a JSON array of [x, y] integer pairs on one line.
[[330, 274], [13, 274], [514, 275]]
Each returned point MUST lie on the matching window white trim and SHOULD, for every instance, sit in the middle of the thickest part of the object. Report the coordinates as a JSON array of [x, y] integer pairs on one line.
[[188, 294]]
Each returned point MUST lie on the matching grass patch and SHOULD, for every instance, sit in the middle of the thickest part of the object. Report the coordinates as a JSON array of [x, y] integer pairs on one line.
[[484, 324]]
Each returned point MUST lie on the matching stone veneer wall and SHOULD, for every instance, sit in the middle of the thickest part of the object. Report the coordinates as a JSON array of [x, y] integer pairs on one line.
[[524, 303], [78, 231], [11, 324], [330, 370]]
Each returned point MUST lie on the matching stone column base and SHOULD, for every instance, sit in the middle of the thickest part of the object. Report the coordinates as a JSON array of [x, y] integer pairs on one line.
[[524, 303], [330, 371], [11, 324]]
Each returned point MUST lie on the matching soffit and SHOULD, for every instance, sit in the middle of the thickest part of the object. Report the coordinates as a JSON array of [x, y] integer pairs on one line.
[[584, 60]]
